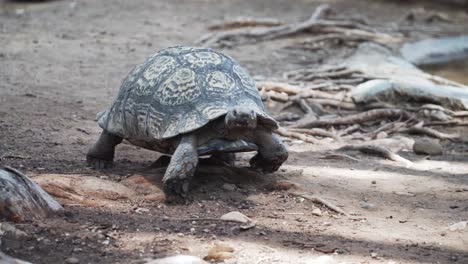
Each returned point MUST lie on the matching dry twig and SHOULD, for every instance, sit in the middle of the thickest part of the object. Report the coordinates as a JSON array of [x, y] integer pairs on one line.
[[316, 199], [242, 22]]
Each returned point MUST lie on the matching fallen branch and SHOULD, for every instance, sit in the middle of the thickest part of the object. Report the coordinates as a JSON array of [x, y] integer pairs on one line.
[[316, 199], [377, 150], [371, 115], [337, 156], [245, 22]]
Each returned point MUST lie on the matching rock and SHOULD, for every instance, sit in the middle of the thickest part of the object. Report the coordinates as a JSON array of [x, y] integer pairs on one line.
[[10, 230], [236, 216], [229, 187], [405, 194], [72, 260], [458, 226], [427, 147], [317, 212], [219, 253], [5, 259], [368, 206], [178, 259], [86, 190], [22, 199]]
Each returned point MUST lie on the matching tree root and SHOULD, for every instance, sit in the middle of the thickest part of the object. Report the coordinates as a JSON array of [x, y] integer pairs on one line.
[[314, 132], [429, 132], [313, 74], [371, 115], [287, 117], [315, 24], [285, 133]]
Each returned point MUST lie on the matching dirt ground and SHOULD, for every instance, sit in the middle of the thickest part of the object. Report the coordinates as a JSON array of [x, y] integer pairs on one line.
[[61, 62]]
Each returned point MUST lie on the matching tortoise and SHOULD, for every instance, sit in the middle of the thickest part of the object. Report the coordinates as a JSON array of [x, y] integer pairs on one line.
[[189, 102]]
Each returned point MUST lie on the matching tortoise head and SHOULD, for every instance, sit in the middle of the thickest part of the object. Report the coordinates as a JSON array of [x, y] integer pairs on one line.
[[241, 118]]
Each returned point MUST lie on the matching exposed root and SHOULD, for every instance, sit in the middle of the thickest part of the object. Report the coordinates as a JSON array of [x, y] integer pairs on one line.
[[371, 115], [349, 130], [287, 117], [314, 132], [313, 74], [447, 123], [429, 132], [279, 87], [321, 201], [315, 24], [285, 133], [335, 103]]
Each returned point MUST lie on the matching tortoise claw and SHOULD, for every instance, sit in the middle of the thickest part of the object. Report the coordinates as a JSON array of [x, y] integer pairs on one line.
[[99, 164]]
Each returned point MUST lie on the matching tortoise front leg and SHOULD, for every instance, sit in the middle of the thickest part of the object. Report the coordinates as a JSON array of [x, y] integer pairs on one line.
[[180, 171], [101, 154], [229, 158], [271, 151]]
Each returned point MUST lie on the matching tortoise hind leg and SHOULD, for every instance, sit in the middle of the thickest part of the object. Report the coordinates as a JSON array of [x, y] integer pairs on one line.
[[180, 171], [101, 154]]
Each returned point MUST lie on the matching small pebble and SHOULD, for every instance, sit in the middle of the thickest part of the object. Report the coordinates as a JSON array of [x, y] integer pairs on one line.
[[72, 260], [229, 187], [368, 206], [317, 212]]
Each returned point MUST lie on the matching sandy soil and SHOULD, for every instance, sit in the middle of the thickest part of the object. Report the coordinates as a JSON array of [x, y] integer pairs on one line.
[[61, 62]]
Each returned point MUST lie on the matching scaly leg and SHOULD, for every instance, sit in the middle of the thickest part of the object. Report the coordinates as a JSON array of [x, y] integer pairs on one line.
[[271, 151], [183, 163], [101, 154], [227, 157]]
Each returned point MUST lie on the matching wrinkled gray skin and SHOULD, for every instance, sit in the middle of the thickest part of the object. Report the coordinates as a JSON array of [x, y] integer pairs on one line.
[[238, 126]]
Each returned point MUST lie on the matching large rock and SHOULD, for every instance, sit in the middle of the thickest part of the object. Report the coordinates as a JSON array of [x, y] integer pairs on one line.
[[427, 147], [22, 199]]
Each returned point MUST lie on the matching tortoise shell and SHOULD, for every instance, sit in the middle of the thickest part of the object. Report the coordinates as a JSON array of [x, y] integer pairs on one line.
[[179, 90]]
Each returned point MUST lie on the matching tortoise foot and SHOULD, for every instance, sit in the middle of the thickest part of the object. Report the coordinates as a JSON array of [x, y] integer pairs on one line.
[[99, 164]]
